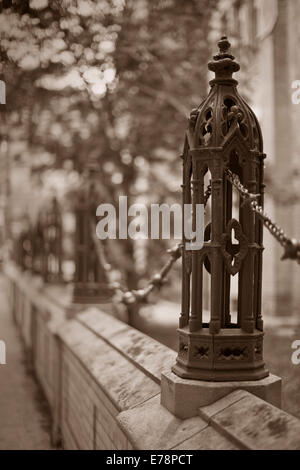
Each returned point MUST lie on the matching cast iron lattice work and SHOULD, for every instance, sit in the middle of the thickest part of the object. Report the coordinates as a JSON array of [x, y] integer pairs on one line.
[[223, 133]]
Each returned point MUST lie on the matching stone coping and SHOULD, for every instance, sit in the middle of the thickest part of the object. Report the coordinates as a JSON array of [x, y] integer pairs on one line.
[[127, 365], [252, 423], [150, 356]]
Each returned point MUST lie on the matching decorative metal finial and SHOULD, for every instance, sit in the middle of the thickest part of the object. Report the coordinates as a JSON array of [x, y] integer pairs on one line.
[[223, 63], [224, 45]]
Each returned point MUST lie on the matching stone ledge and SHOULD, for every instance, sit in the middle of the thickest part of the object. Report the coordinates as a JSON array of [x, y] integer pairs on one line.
[[238, 421], [126, 365], [174, 392], [252, 423], [151, 426], [122, 381], [147, 354], [207, 412]]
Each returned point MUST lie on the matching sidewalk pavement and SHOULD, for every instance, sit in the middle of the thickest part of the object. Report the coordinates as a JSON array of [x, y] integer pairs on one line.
[[24, 413]]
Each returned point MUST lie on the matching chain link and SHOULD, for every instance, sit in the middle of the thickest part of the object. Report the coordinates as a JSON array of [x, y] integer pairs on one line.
[[159, 279], [207, 194], [291, 246], [139, 296]]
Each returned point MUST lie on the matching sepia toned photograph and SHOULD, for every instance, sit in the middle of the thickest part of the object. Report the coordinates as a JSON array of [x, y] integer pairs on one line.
[[150, 228]]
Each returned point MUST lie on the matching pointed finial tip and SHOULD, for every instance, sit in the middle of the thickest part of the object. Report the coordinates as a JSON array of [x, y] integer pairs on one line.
[[224, 45], [223, 63]]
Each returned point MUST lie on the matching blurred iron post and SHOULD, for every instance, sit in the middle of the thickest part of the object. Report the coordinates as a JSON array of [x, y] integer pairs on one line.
[[90, 284], [20, 250], [223, 132], [38, 248], [51, 240]]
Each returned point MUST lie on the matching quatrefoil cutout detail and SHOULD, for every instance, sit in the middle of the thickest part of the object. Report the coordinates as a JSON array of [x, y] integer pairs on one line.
[[234, 254]]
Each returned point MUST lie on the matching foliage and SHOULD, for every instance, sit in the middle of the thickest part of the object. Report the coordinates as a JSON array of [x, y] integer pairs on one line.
[[109, 83]]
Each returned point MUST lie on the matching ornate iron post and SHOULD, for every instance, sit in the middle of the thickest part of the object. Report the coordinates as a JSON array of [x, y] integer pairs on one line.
[[52, 239], [38, 247], [21, 250], [91, 284], [223, 134]]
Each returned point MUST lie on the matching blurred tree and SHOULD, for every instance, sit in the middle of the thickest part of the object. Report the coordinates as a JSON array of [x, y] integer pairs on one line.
[[111, 81]]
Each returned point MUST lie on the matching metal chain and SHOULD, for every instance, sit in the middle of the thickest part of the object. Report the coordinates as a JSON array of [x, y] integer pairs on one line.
[[207, 194], [132, 297], [291, 246], [139, 296], [159, 279], [135, 296]]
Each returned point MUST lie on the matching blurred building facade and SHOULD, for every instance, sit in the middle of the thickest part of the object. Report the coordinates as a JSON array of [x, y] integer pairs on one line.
[[265, 35]]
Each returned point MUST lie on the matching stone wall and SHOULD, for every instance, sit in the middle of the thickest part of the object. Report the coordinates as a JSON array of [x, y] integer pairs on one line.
[[102, 381]]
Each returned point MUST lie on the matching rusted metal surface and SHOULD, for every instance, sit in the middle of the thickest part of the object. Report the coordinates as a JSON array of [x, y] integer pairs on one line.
[[223, 134]]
